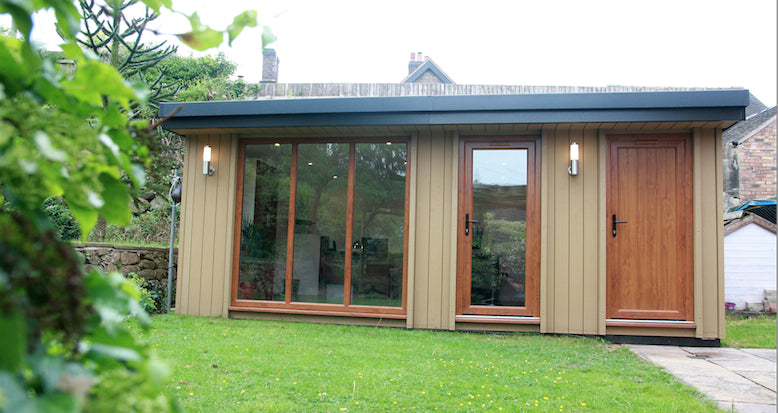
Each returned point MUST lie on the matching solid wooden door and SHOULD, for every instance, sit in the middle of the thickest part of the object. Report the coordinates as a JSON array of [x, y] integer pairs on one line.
[[649, 241]]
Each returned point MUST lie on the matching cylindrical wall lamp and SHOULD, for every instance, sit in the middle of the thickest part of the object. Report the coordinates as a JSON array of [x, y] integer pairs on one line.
[[207, 168], [573, 169]]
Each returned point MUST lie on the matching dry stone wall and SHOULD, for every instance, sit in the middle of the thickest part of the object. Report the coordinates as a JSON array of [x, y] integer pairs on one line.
[[149, 263]]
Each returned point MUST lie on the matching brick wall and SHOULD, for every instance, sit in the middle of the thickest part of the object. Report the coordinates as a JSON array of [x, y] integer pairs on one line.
[[757, 161]]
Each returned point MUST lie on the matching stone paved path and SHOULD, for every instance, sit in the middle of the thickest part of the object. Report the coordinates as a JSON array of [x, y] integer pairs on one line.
[[740, 378]]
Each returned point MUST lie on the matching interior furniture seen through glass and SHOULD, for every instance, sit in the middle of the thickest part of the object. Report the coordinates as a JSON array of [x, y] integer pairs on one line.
[[349, 231], [263, 231]]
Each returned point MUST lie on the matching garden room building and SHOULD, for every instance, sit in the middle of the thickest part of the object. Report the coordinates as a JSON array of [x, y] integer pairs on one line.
[[580, 213]]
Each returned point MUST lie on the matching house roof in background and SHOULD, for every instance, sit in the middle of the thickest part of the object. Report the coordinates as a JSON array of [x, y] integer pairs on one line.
[[755, 106], [748, 219], [686, 106], [765, 208], [428, 66], [746, 128]]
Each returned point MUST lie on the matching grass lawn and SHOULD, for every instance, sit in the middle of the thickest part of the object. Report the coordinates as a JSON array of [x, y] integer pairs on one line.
[[248, 366], [750, 332]]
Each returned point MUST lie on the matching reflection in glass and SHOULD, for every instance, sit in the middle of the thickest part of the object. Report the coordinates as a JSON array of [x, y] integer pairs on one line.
[[379, 224], [499, 238], [320, 222], [264, 223]]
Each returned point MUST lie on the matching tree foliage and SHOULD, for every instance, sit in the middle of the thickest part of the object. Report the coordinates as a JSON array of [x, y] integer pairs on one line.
[[111, 32], [69, 133]]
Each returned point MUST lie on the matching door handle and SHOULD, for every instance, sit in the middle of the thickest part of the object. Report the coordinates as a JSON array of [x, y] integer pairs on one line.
[[467, 224], [616, 222]]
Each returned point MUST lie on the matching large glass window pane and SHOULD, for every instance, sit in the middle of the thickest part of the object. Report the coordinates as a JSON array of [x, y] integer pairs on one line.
[[263, 232], [320, 222], [379, 224], [498, 275]]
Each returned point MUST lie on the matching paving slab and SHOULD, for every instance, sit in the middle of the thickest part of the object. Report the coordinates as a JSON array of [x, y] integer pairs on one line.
[[747, 407], [745, 379], [764, 353], [732, 359], [765, 379]]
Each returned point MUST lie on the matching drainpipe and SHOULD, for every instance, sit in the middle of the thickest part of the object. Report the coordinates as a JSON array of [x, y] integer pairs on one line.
[[175, 198]]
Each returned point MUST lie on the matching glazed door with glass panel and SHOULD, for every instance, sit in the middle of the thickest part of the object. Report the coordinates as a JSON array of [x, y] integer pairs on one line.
[[498, 260]]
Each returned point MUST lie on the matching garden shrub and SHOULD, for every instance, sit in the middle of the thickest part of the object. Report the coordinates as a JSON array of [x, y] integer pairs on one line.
[[146, 299]]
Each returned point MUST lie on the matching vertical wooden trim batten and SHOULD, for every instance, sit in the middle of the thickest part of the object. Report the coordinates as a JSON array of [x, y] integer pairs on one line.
[[547, 227], [349, 224], [436, 224], [591, 205], [577, 242], [422, 233], [241, 169], [290, 227], [412, 230], [721, 321], [562, 231], [697, 213], [406, 225], [602, 233], [711, 221], [230, 215], [208, 230], [453, 155]]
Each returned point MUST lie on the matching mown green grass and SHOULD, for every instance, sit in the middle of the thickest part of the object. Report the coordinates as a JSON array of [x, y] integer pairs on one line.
[[750, 332], [248, 366]]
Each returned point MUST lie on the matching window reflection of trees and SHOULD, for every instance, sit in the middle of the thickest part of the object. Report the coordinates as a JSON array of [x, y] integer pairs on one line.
[[320, 222], [379, 224]]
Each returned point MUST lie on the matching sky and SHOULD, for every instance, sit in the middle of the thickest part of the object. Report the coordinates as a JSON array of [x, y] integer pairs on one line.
[[682, 43]]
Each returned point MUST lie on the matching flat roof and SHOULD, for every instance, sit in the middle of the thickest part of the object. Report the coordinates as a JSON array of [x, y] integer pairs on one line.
[[675, 106]]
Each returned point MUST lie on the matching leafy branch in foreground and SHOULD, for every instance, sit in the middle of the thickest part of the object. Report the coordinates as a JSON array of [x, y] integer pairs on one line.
[[70, 134]]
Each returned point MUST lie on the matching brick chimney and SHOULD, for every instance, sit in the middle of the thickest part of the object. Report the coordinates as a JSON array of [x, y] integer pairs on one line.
[[416, 61], [269, 66]]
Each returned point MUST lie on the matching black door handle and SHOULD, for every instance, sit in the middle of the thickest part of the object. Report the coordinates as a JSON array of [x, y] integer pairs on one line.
[[467, 224], [616, 222]]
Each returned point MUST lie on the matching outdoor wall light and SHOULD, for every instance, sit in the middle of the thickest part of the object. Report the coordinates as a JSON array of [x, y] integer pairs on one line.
[[573, 169], [207, 168]]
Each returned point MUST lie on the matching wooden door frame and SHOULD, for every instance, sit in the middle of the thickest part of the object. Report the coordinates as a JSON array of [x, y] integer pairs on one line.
[[686, 180], [532, 261]]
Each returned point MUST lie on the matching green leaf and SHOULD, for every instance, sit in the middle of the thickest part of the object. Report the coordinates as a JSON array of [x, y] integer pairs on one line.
[[138, 175], [203, 39], [246, 19], [13, 74], [156, 4], [267, 36], [68, 18], [51, 153], [21, 13], [93, 80], [57, 403], [13, 395], [116, 352], [86, 217], [71, 50], [116, 197], [48, 368], [14, 342]]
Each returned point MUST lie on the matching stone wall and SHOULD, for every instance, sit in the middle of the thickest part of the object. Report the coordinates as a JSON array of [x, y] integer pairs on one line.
[[149, 263]]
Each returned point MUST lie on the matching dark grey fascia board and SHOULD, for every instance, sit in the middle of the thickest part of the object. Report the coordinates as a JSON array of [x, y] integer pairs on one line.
[[454, 118], [716, 105]]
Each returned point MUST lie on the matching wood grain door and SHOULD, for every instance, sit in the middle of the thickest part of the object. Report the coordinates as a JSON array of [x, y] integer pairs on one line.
[[499, 240], [649, 240]]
